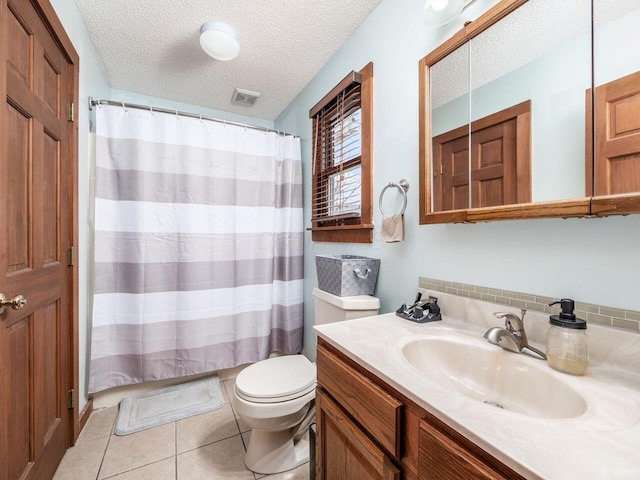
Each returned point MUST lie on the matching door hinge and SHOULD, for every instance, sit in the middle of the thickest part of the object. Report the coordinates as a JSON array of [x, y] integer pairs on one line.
[[71, 256], [70, 400], [441, 170], [70, 112]]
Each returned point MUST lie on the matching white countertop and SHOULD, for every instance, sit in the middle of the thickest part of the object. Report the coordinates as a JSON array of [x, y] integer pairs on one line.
[[603, 443]]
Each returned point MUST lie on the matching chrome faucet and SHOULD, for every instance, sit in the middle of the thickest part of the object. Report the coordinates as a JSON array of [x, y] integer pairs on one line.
[[512, 337]]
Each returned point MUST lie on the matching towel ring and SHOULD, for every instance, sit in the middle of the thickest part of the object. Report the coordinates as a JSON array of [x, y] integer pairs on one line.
[[403, 186]]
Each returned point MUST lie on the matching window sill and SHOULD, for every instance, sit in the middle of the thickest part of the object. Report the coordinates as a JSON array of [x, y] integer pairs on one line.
[[343, 234]]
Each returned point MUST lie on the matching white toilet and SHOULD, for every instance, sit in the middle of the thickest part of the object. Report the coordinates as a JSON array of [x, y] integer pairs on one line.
[[275, 397]]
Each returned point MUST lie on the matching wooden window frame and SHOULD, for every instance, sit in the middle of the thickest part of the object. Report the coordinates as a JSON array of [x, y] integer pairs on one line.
[[352, 230]]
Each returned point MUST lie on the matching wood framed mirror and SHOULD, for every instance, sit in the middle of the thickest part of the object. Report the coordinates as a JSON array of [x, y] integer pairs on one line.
[[507, 135]]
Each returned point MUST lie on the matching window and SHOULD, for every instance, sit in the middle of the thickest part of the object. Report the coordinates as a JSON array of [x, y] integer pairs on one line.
[[341, 185]]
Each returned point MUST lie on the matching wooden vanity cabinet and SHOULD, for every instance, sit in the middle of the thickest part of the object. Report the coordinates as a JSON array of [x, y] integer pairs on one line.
[[368, 430], [346, 451], [444, 457]]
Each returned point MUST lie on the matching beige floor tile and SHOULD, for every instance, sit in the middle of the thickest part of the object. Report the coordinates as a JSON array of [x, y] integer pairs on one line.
[[82, 462], [138, 449], [162, 470], [225, 392], [220, 460], [232, 373], [299, 473], [242, 425], [228, 388], [206, 428], [100, 424], [245, 439]]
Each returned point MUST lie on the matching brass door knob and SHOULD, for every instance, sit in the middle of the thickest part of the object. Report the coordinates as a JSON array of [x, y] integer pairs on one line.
[[16, 302]]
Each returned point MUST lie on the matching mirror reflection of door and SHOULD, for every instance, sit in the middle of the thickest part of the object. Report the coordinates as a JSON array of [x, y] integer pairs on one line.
[[616, 116], [500, 162], [617, 136], [451, 170]]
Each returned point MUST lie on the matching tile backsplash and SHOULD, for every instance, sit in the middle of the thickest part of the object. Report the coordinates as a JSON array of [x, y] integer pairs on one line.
[[628, 320]]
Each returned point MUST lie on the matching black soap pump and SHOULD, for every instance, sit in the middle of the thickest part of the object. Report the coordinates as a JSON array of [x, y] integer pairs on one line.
[[567, 343]]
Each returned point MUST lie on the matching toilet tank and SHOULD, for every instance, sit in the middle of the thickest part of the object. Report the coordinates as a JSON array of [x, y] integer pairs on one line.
[[330, 308]]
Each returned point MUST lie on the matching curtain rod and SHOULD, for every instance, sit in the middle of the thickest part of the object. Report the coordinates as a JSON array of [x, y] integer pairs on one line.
[[93, 103]]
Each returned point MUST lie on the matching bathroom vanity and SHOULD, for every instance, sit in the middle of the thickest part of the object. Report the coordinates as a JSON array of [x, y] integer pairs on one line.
[[354, 406], [392, 404]]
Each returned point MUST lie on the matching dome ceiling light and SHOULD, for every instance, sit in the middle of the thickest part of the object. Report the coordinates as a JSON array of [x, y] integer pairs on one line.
[[219, 41]]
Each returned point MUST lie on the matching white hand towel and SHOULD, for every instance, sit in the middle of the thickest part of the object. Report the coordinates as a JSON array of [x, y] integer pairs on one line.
[[393, 228]]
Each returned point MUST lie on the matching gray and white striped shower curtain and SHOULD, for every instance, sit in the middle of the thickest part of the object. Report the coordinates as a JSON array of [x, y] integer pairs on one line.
[[198, 260]]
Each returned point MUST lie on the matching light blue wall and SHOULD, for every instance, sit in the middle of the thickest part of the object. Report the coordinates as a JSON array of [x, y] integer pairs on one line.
[[611, 61], [593, 260]]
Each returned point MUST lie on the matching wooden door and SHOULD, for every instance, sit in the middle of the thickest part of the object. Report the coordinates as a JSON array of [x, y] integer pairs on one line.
[[500, 158], [500, 162], [617, 137], [451, 170], [493, 166], [343, 451], [37, 83]]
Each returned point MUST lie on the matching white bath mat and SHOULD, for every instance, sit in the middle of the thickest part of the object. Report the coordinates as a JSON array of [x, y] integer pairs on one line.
[[168, 405]]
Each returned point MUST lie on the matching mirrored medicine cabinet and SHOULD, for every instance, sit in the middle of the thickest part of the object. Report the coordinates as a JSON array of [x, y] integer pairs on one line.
[[533, 111]]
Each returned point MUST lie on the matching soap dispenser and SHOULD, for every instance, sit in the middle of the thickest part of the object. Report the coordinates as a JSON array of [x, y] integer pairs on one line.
[[567, 344]]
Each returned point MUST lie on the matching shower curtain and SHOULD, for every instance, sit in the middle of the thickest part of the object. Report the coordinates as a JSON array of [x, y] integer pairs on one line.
[[198, 253]]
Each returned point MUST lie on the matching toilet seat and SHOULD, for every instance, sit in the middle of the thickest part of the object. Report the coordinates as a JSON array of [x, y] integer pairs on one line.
[[277, 379]]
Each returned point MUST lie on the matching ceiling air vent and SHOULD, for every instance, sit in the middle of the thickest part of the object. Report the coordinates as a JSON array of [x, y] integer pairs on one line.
[[245, 98]]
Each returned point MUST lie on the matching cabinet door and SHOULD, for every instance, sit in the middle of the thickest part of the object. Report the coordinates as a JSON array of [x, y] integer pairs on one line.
[[376, 411], [343, 451], [442, 458]]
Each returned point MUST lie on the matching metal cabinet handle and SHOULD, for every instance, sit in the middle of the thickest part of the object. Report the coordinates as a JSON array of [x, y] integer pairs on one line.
[[16, 302]]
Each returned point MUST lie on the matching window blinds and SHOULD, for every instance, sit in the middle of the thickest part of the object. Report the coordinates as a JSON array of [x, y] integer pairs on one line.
[[336, 192]]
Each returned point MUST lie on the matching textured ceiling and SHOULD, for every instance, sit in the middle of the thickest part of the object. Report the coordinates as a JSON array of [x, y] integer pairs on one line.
[[533, 30], [152, 47]]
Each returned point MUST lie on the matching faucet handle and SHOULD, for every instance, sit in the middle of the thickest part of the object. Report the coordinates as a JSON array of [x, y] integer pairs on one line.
[[512, 322]]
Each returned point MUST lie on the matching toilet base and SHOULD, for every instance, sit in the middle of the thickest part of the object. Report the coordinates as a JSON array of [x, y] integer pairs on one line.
[[275, 452]]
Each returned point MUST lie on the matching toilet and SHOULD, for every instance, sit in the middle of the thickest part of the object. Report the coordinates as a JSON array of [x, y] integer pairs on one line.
[[275, 397]]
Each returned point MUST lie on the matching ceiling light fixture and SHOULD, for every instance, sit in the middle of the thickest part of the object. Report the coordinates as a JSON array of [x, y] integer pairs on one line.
[[441, 12], [219, 41]]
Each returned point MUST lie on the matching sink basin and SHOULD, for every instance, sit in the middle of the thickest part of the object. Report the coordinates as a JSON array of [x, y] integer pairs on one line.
[[489, 374]]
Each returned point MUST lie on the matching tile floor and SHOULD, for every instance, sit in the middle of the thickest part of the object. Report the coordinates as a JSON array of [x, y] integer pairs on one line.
[[207, 446]]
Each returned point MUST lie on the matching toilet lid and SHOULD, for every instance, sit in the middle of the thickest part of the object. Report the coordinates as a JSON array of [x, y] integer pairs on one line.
[[277, 379]]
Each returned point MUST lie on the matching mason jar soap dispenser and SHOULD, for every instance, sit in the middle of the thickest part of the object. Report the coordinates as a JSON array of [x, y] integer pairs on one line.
[[567, 344]]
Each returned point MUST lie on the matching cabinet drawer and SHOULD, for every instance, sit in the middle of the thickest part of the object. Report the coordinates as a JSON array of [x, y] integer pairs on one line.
[[377, 412], [344, 451], [443, 458]]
